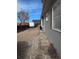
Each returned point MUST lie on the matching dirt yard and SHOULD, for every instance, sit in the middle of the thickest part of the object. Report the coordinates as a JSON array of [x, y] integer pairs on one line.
[[33, 44]]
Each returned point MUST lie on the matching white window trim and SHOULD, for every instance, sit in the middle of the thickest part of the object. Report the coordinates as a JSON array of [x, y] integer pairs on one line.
[[53, 24], [56, 29], [46, 17]]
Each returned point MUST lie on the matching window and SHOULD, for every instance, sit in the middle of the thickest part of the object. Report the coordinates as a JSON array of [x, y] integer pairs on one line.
[[56, 16]]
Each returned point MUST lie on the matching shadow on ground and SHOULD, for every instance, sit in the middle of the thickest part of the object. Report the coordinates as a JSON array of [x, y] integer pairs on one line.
[[52, 52], [22, 48], [21, 28]]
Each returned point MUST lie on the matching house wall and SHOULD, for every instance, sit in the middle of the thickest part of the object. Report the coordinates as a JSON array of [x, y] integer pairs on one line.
[[53, 35]]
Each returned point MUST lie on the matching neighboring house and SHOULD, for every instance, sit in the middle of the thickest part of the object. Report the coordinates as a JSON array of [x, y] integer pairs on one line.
[[31, 24], [36, 22], [24, 25], [51, 22]]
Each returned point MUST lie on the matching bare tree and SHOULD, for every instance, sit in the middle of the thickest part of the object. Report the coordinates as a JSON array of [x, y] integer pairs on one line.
[[23, 16]]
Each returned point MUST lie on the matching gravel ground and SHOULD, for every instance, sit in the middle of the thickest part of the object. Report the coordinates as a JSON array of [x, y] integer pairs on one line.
[[33, 44]]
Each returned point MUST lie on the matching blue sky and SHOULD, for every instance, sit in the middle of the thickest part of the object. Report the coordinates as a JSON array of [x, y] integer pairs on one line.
[[33, 7]]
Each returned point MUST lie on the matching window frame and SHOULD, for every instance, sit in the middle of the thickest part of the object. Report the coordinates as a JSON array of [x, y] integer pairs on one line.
[[54, 6]]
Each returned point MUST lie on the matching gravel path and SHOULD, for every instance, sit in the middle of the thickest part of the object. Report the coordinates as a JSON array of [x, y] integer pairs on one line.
[[33, 44]]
